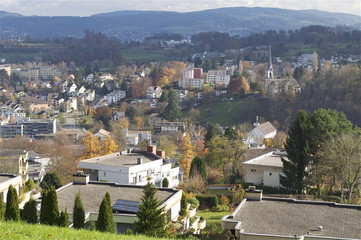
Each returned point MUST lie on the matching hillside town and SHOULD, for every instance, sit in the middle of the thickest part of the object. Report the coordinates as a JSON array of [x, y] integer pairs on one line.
[[233, 144]]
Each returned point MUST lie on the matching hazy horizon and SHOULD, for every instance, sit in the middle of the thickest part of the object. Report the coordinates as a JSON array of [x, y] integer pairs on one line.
[[84, 8]]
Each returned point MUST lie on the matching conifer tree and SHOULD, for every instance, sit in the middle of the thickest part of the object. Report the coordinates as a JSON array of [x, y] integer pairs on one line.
[[51, 179], [151, 217], [172, 112], [187, 155], [105, 221], [198, 166], [49, 213], [12, 211], [1, 207], [78, 213], [297, 147], [64, 219], [30, 212]]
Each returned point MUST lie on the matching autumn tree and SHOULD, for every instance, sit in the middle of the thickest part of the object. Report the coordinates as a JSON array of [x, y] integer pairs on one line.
[[340, 163], [92, 146], [139, 122], [167, 144], [187, 155], [245, 85], [108, 146], [116, 129]]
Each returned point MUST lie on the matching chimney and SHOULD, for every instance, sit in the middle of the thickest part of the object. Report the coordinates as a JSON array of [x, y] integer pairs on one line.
[[253, 194], [80, 178], [161, 154], [139, 161], [152, 149]]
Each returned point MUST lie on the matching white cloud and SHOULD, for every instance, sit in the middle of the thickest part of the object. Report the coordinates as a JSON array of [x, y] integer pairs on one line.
[[88, 7]]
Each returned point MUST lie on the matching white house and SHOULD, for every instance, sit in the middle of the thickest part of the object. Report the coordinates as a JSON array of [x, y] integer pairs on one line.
[[132, 167], [154, 92], [5, 181], [262, 131], [115, 96], [265, 169], [125, 200], [102, 134]]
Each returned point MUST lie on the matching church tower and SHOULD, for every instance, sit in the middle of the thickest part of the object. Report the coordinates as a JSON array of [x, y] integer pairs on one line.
[[270, 66]]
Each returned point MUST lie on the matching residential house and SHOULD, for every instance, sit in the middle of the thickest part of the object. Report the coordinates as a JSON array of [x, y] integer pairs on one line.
[[136, 137], [133, 167], [89, 78], [35, 103], [168, 127], [154, 92], [37, 165], [262, 131], [13, 161], [115, 96], [102, 134], [116, 115], [71, 91], [5, 181], [270, 218], [125, 201], [265, 169]]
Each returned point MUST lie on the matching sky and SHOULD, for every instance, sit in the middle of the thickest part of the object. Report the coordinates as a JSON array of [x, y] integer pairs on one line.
[[89, 7]]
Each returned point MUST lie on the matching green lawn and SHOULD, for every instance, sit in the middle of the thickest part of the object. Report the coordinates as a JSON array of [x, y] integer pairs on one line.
[[14, 231], [236, 111], [213, 218]]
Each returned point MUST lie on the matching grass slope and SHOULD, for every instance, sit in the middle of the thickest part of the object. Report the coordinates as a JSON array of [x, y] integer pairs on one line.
[[233, 112], [15, 231], [213, 218]]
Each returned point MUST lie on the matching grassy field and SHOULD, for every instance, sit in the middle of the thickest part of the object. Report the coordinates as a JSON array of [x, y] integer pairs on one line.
[[143, 55], [236, 111], [15, 231], [214, 219]]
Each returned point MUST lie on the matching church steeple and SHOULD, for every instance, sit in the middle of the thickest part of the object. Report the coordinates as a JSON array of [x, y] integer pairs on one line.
[[270, 66]]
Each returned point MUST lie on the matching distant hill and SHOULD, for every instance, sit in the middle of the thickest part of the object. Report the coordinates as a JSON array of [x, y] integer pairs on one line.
[[135, 25]]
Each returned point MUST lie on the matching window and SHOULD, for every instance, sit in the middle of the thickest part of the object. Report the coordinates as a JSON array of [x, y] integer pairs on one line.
[[140, 178], [253, 170], [134, 179], [270, 174], [105, 174]]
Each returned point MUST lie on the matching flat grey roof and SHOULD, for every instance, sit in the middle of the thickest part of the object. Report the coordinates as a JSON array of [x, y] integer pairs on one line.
[[291, 218], [272, 160], [93, 193], [4, 178], [126, 160]]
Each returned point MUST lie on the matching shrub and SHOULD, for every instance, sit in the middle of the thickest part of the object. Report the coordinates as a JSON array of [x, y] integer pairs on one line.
[[165, 182], [220, 208], [194, 201], [51, 179], [207, 201], [224, 200], [201, 218], [12, 211], [183, 210], [29, 185], [30, 212]]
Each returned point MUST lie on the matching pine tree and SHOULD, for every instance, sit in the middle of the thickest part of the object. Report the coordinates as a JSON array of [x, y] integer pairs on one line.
[[184, 204], [105, 221], [30, 212], [49, 212], [297, 146], [151, 217], [78, 213], [64, 219], [12, 211], [108, 146], [187, 155], [198, 166], [172, 112], [50, 180]]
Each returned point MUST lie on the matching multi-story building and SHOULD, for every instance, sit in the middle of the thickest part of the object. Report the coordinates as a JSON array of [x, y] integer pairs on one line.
[[190, 83], [218, 77], [28, 128], [115, 96]]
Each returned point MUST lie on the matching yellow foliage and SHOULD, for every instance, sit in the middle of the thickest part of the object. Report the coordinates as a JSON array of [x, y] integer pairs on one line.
[[139, 121], [245, 85], [187, 155], [92, 145], [268, 142], [108, 146]]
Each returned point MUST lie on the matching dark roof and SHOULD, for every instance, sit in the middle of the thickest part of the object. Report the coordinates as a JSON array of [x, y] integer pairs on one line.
[[93, 193], [291, 217]]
